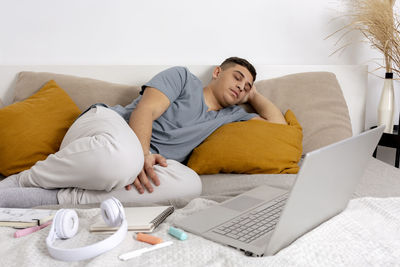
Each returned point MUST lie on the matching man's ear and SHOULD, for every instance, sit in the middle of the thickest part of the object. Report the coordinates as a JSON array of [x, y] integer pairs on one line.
[[216, 72]]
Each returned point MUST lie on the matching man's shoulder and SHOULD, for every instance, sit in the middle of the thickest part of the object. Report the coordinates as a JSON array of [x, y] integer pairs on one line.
[[178, 69], [185, 75]]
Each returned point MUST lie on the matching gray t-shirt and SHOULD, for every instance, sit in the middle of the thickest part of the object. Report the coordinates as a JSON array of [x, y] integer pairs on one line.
[[186, 122]]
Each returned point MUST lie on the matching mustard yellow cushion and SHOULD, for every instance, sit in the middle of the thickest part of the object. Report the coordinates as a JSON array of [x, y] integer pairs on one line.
[[250, 147], [34, 128]]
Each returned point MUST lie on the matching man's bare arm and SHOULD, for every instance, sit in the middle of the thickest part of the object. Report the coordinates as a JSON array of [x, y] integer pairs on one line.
[[150, 107], [265, 108]]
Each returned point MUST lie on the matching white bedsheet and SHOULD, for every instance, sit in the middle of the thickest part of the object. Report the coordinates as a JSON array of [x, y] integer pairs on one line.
[[367, 233]]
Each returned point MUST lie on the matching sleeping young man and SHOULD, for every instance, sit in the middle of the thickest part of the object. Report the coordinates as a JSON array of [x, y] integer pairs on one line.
[[109, 150]]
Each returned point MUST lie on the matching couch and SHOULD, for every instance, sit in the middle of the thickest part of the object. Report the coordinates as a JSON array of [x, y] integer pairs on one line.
[[329, 103]]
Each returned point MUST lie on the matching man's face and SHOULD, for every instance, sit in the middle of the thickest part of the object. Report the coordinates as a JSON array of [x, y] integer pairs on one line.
[[233, 85]]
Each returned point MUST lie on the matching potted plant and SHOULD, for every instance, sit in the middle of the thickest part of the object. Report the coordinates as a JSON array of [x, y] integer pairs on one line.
[[379, 24]]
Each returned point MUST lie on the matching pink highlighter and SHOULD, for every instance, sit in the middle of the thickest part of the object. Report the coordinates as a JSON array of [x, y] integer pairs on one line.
[[30, 230]]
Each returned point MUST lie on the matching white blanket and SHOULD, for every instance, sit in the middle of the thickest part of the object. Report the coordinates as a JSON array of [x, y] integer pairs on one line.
[[367, 233]]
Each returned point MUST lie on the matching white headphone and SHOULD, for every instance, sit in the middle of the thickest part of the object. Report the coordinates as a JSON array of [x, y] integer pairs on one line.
[[65, 225]]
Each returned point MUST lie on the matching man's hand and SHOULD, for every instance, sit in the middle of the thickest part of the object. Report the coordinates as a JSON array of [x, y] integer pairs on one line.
[[148, 173], [250, 95], [264, 107]]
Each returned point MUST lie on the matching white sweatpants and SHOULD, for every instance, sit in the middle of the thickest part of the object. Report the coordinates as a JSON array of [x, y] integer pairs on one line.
[[99, 155], [177, 181]]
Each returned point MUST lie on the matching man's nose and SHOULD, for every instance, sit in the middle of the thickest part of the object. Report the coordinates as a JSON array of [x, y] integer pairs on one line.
[[239, 87]]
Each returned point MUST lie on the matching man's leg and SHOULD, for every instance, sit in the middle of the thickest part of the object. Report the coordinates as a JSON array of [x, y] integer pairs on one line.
[[13, 196], [99, 152], [176, 182], [27, 197], [9, 182]]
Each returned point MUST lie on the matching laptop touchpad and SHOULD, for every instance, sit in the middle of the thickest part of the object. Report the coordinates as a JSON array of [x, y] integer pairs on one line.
[[242, 203]]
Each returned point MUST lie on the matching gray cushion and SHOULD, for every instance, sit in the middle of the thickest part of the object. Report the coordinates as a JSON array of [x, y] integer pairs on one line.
[[318, 103], [83, 91]]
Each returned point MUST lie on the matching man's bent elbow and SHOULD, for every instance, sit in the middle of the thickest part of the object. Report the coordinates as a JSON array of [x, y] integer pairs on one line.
[[272, 120]]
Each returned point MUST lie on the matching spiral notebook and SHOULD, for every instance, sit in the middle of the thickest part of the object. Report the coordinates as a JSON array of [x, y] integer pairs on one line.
[[23, 218], [140, 219]]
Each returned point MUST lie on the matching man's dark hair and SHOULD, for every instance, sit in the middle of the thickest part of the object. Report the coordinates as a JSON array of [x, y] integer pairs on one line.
[[239, 61]]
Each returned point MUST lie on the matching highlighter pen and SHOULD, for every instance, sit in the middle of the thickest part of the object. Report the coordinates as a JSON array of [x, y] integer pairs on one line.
[[148, 238], [139, 252], [30, 230], [179, 234]]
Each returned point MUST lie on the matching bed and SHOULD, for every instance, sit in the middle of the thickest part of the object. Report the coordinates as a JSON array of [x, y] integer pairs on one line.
[[366, 233]]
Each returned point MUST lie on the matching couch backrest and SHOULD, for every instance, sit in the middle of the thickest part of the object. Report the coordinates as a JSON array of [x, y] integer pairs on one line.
[[315, 98], [83, 91], [353, 79]]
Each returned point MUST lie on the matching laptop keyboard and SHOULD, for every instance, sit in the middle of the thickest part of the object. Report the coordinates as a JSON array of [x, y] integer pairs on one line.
[[257, 222]]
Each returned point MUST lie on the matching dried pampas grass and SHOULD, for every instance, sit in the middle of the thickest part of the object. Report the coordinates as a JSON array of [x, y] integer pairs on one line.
[[379, 24]]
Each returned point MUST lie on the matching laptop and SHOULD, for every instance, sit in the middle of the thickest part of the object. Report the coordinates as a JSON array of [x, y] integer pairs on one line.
[[265, 220]]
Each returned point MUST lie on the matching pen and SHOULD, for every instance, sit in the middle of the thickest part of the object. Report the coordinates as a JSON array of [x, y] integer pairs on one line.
[[30, 230], [136, 253]]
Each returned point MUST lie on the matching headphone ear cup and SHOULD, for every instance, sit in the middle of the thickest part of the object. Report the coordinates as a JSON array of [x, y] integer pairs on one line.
[[66, 223], [112, 212]]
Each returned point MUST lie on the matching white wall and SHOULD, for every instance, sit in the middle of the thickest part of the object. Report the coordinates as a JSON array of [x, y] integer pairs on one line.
[[178, 32]]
